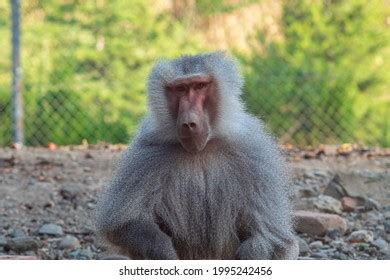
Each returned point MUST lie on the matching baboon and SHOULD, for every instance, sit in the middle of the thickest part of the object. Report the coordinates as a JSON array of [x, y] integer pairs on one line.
[[201, 179]]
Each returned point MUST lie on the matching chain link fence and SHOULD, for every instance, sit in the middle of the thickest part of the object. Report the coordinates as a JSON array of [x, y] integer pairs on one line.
[[316, 73]]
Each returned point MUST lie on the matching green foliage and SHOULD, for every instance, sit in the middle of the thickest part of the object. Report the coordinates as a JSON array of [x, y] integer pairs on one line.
[[85, 64], [207, 7], [314, 86], [5, 76]]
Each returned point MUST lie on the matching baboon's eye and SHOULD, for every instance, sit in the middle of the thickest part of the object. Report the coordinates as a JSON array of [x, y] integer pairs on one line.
[[181, 88], [200, 86]]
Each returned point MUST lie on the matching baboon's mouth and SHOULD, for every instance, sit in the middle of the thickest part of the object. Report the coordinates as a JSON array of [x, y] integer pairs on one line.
[[195, 143], [194, 136]]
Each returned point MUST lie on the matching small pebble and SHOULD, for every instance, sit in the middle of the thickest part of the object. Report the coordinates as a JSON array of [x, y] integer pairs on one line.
[[81, 254], [319, 255], [338, 244], [69, 192], [328, 250], [371, 204], [343, 256], [316, 245], [18, 232], [22, 244], [327, 204], [387, 226], [374, 216], [361, 236], [333, 234], [69, 242], [91, 205], [3, 241], [380, 244], [51, 229], [349, 204], [303, 247]]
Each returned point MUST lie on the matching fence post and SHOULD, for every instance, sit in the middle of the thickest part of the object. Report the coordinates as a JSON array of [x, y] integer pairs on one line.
[[17, 98]]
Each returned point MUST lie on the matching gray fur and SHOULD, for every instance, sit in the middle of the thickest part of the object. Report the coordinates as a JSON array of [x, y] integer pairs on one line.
[[228, 201]]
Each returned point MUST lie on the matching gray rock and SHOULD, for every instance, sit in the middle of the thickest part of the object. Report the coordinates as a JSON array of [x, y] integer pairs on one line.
[[18, 257], [306, 258], [304, 191], [321, 173], [338, 244], [303, 247], [302, 203], [328, 251], [367, 184], [69, 242], [374, 216], [86, 253], [371, 204], [381, 244], [319, 255], [387, 255], [3, 241], [112, 257], [333, 234], [74, 254], [69, 192], [361, 236], [387, 226], [343, 256], [51, 229], [22, 244], [18, 232], [91, 205], [335, 188], [318, 224], [380, 228], [82, 254], [327, 204], [316, 245]]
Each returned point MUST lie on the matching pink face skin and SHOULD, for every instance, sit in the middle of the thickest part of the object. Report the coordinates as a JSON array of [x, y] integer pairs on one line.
[[192, 103]]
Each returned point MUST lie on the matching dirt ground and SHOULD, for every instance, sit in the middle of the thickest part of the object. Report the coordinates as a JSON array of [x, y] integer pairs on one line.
[[47, 200]]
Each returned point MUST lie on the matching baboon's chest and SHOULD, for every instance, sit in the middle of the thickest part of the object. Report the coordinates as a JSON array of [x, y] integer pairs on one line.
[[201, 201], [200, 213]]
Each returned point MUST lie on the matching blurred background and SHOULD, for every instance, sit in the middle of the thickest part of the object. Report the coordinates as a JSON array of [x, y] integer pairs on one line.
[[73, 73], [316, 71]]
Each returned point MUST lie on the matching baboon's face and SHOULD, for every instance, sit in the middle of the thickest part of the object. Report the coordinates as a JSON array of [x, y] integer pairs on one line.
[[192, 102]]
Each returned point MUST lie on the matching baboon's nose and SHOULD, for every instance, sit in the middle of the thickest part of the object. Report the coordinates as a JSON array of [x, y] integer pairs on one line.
[[189, 127], [189, 124]]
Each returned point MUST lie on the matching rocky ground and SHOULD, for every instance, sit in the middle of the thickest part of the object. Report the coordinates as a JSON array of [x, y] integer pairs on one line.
[[47, 198]]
